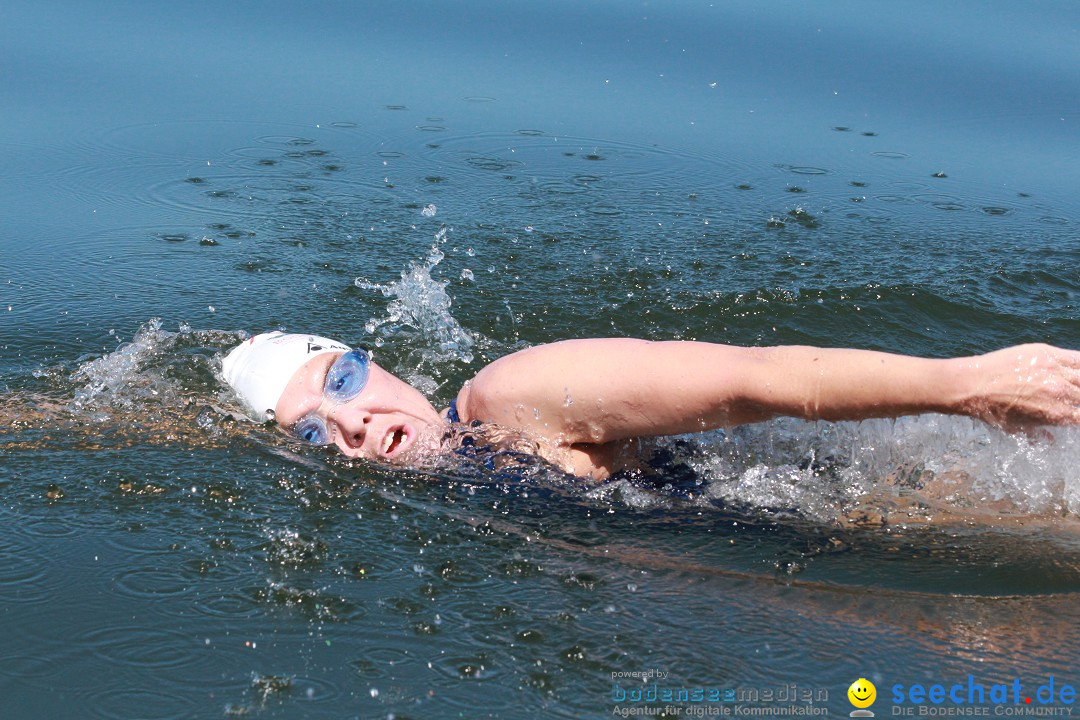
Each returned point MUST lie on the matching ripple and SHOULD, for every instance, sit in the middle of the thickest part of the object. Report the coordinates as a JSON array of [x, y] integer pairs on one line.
[[476, 667], [478, 99], [256, 194], [141, 647], [285, 140], [313, 689], [226, 604], [266, 158], [389, 656], [28, 666], [431, 128], [890, 155], [123, 703], [152, 164], [604, 210], [805, 170], [22, 578], [137, 539], [909, 186], [548, 159], [49, 527], [493, 164], [197, 140], [559, 187], [150, 583], [934, 198]]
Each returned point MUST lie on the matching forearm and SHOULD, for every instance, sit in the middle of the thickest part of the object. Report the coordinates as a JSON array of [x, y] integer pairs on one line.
[[842, 384]]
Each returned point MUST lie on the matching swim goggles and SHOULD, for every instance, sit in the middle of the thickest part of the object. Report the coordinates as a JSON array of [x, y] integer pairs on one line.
[[345, 380]]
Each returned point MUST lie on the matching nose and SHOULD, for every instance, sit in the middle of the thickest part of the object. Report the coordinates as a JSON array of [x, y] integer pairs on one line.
[[352, 423]]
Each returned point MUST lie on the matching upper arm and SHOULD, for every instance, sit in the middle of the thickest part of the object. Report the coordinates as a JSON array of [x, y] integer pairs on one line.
[[599, 390]]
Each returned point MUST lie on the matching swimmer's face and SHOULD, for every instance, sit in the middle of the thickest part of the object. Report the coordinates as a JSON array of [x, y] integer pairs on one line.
[[383, 422], [862, 693]]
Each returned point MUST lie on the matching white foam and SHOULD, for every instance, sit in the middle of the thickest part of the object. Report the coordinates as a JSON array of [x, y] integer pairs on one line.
[[818, 469]]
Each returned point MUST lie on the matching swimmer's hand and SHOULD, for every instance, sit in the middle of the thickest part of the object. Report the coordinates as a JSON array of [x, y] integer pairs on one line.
[[1022, 386]]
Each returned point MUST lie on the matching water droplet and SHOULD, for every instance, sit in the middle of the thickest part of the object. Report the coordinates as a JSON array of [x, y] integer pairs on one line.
[[429, 210], [467, 274]]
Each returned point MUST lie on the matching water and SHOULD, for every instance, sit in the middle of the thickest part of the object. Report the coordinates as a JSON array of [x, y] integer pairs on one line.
[[449, 184]]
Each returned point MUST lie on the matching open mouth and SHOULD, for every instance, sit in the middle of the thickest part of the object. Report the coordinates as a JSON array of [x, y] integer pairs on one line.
[[393, 441]]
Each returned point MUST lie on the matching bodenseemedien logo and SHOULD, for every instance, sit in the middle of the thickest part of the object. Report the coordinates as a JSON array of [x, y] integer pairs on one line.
[[862, 694]]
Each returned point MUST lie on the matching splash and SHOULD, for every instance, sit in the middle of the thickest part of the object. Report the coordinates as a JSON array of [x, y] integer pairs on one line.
[[161, 388], [117, 375], [156, 367], [923, 468], [419, 315]]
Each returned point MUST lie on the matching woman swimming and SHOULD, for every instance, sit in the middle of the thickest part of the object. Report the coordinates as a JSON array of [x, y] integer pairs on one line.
[[583, 400]]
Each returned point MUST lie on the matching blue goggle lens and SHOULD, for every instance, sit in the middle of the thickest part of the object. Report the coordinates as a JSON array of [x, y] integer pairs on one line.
[[344, 381], [313, 430], [348, 376]]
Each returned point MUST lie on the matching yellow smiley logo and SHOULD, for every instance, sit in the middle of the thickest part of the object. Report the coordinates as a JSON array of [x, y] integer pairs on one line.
[[862, 693]]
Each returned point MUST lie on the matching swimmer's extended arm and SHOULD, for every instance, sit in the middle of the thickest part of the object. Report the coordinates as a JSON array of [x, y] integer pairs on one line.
[[597, 391]]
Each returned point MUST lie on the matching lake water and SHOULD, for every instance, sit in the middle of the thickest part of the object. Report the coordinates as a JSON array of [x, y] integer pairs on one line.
[[450, 182]]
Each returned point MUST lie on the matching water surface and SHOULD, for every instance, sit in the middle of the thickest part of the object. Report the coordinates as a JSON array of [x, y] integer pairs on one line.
[[452, 183]]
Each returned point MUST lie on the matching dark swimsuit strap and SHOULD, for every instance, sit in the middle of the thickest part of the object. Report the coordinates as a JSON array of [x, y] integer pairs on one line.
[[451, 412]]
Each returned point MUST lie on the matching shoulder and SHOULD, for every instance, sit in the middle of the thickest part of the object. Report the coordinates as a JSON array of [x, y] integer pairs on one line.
[[484, 392], [529, 388]]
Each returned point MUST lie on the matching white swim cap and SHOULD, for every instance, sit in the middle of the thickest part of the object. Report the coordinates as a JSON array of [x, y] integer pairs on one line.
[[259, 369]]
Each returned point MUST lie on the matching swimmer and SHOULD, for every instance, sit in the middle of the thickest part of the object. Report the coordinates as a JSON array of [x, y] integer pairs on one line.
[[585, 400]]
